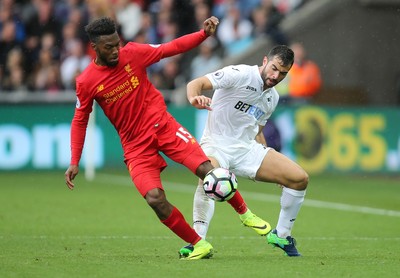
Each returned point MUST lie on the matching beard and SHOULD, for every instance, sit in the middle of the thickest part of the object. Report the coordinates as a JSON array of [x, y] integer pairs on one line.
[[270, 83], [111, 63], [106, 61]]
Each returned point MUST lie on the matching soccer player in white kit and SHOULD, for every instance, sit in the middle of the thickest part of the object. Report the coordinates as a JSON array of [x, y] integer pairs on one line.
[[244, 98]]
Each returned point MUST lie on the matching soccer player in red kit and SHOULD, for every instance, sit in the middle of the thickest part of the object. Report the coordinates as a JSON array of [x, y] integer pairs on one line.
[[118, 82]]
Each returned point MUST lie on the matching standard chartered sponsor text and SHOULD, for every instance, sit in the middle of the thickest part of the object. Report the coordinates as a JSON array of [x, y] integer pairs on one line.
[[117, 93]]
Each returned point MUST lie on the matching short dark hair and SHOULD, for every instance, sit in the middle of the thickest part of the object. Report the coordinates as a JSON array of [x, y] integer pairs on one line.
[[284, 53], [100, 27]]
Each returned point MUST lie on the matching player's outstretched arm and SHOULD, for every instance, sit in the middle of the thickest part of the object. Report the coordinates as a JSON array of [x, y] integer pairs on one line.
[[189, 41], [70, 175], [194, 90]]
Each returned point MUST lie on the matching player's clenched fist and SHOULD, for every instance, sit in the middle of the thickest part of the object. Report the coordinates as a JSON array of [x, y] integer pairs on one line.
[[201, 102], [210, 25]]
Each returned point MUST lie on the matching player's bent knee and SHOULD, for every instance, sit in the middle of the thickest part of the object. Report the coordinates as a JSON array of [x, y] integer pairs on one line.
[[303, 181], [300, 182], [203, 169], [155, 198], [306, 179]]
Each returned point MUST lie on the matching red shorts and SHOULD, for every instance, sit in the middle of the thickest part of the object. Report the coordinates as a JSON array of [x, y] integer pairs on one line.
[[145, 162]]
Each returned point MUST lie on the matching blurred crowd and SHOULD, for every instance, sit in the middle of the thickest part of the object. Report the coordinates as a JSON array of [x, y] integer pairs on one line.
[[43, 45]]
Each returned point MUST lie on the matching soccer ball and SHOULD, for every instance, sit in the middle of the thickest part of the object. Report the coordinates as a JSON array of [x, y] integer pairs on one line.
[[220, 184]]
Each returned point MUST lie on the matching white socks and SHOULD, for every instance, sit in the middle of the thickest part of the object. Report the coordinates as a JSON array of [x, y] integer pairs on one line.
[[291, 201], [203, 211]]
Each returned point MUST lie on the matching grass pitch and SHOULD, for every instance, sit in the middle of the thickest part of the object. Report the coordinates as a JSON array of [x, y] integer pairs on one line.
[[349, 226]]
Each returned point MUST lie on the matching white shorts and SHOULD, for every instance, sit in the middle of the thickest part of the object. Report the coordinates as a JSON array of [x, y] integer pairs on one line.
[[243, 160]]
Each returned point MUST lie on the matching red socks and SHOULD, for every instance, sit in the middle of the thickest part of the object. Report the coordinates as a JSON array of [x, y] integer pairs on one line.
[[238, 203], [176, 222]]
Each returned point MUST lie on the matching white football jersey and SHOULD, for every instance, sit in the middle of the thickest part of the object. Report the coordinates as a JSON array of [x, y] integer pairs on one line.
[[239, 105]]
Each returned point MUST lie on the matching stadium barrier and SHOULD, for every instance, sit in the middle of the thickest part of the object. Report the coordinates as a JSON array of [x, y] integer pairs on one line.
[[321, 139]]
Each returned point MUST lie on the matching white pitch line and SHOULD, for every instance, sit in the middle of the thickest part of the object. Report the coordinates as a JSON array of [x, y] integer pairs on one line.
[[139, 237], [189, 188]]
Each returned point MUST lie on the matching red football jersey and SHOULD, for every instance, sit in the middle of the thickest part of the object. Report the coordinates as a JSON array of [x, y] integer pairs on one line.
[[129, 100]]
